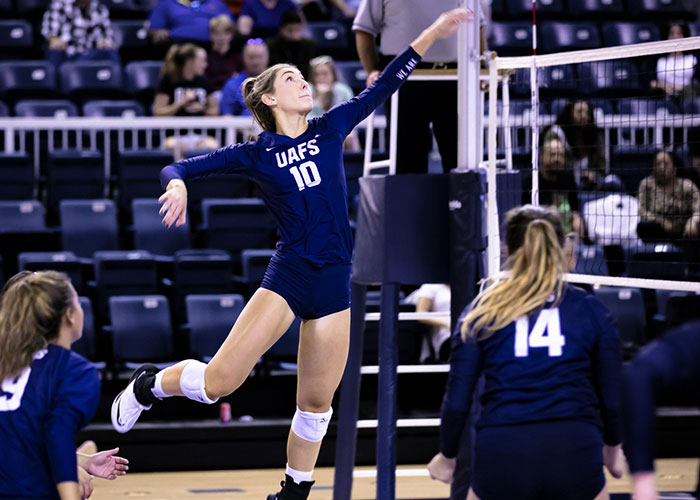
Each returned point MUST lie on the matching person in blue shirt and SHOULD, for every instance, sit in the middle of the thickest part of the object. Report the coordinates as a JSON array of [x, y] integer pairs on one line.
[[550, 356], [297, 165], [47, 392], [255, 60], [669, 365], [184, 20], [263, 18]]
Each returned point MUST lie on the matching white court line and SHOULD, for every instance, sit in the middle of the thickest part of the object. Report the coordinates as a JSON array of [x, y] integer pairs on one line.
[[402, 422], [399, 473]]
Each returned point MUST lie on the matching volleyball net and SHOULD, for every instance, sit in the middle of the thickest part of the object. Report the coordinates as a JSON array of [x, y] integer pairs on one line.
[[611, 138]]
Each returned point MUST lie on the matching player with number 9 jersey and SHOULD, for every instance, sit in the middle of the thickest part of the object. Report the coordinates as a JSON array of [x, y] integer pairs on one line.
[[549, 353]]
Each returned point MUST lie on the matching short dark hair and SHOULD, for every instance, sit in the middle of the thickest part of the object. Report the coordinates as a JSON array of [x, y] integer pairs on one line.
[[290, 17]]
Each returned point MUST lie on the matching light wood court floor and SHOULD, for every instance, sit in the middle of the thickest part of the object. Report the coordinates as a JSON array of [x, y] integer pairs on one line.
[[412, 483]]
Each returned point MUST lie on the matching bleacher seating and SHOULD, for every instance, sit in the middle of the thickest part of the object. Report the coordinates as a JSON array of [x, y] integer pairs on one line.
[[16, 39], [595, 9], [88, 226], [201, 272], [331, 38], [609, 78], [626, 305], [253, 266], [57, 108], [124, 109], [139, 174], [632, 164], [558, 36], [352, 74], [142, 79], [27, 80], [86, 345], [523, 8], [511, 38], [645, 106], [23, 229], [16, 176], [65, 262], [151, 235], [22, 216], [74, 174], [84, 80], [624, 33], [651, 9], [209, 321]]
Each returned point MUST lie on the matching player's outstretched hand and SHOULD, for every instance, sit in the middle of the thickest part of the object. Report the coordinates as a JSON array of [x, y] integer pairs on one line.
[[442, 468], [614, 460], [107, 465], [448, 22], [174, 200]]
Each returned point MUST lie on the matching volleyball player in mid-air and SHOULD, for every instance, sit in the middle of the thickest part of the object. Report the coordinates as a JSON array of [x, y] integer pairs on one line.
[[550, 355], [297, 164]]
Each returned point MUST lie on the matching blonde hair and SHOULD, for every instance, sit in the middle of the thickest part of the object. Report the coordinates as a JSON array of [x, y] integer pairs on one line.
[[222, 21], [534, 237], [254, 88], [31, 310], [323, 61], [176, 58]]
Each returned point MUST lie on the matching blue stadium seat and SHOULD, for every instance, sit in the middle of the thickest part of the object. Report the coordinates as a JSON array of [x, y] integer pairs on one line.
[[253, 266], [632, 164], [27, 79], [83, 80], [557, 81], [139, 174], [681, 309], [209, 321], [74, 174], [28, 6], [331, 37], [142, 79], [141, 329], [130, 34], [4, 110], [65, 262], [627, 308], [523, 8], [16, 176], [88, 226], [590, 259], [657, 265], [132, 272], [234, 225], [151, 235], [598, 9], [513, 38], [16, 38], [662, 298], [611, 78], [201, 272], [647, 106], [603, 105], [498, 8], [691, 106], [564, 36], [22, 216], [123, 109], [623, 33], [58, 108], [86, 345], [352, 74], [219, 186], [655, 9]]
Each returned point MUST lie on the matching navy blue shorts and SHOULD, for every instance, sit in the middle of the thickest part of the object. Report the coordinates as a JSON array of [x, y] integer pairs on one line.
[[552, 460], [311, 292]]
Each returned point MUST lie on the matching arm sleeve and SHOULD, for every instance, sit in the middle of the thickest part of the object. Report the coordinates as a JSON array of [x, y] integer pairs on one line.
[[158, 19], [369, 17], [666, 364], [607, 363], [229, 160], [346, 115], [465, 366], [73, 407], [52, 21]]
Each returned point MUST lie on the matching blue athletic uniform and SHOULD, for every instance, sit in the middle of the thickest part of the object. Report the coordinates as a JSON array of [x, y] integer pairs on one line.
[[40, 412], [302, 181], [551, 386], [671, 363]]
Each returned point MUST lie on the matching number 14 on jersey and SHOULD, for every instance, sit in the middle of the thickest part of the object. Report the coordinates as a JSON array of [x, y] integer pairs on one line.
[[545, 333]]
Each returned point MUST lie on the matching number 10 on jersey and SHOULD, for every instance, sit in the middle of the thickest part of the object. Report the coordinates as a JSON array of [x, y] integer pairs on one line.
[[306, 175]]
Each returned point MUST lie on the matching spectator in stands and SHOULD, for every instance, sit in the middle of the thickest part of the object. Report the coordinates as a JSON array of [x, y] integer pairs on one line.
[[234, 6], [326, 10], [255, 60], [184, 20], [583, 140], [669, 206], [78, 30], [262, 18], [675, 72], [223, 60], [328, 92], [557, 186], [290, 46], [434, 298], [612, 219], [183, 90]]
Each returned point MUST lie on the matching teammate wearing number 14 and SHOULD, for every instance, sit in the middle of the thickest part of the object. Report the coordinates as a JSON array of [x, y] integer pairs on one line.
[[550, 356], [298, 166]]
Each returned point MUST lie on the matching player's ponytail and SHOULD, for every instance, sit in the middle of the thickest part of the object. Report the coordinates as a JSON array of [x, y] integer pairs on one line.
[[534, 237], [253, 89], [31, 310]]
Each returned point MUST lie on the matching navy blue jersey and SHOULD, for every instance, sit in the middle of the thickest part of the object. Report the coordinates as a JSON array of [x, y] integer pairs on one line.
[[559, 363], [40, 412], [302, 180], [671, 363]]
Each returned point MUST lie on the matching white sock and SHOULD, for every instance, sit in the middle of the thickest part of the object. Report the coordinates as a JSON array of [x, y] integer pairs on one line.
[[157, 388], [299, 475]]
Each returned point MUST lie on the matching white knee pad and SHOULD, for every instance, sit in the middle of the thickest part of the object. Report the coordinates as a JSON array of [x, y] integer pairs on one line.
[[192, 382], [311, 426]]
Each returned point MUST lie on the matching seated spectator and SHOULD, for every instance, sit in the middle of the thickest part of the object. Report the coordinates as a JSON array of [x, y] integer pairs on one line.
[[184, 20], [326, 10], [557, 187], [183, 90], [290, 46], [434, 298], [583, 140], [255, 61], [328, 92], [612, 219], [262, 18], [78, 30], [223, 60], [675, 72], [234, 6], [669, 207]]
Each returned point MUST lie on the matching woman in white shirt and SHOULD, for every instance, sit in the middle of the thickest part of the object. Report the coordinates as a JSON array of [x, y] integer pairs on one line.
[[674, 72]]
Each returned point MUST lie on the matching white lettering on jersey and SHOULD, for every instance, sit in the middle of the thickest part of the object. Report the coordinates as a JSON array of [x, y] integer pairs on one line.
[[12, 389], [296, 154], [545, 333]]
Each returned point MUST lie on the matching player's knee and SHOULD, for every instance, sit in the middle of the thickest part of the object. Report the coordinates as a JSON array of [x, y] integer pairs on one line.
[[315, 403], [219, 382], [311, 426]]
